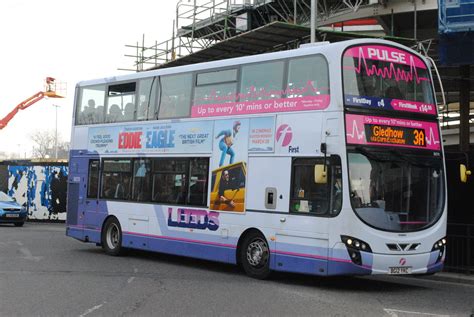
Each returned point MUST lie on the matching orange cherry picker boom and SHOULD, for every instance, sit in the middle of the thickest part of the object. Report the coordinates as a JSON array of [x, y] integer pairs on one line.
[[50, 91]]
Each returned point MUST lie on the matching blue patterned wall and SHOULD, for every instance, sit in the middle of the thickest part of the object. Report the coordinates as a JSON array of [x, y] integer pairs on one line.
[[40, 189]]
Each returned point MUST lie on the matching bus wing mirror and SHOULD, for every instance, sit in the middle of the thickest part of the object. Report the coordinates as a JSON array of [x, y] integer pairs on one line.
[[465, 173], [320, 174]]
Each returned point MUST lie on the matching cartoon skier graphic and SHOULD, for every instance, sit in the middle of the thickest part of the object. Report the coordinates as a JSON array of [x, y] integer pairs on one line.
[[226, 142]]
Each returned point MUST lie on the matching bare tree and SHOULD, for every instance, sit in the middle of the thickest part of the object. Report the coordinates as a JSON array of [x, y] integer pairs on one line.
[[63, 150], [44, 145]]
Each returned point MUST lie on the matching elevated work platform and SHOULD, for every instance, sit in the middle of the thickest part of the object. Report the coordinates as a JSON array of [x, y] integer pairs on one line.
[[52, 89]]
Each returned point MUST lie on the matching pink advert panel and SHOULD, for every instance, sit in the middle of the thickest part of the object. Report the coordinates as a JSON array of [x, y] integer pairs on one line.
[[386, 54], [318, 102], [389, 55], [355, 130]]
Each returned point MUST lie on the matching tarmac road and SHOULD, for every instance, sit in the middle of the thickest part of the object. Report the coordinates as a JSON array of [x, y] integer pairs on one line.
[[45, 273]]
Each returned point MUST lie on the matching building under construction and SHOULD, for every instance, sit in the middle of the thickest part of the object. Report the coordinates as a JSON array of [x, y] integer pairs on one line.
[[208, 30]]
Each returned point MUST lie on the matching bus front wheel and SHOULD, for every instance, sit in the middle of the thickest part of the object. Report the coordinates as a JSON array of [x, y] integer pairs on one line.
[[112, 237], [255, 256]]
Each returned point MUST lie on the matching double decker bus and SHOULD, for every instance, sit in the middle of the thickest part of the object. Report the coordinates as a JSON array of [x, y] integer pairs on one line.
[[323, 160]]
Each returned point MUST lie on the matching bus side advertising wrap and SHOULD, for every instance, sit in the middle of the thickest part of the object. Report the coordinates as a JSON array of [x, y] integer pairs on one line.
[[371, 130], [183, 137], [178, 137], [306, 103], [229, 165]]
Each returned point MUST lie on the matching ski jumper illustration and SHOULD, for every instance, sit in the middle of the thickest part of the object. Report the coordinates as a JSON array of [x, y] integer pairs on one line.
[[225, 144]]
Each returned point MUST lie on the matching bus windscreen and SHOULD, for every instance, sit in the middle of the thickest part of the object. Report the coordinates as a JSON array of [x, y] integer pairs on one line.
[[394, 190]]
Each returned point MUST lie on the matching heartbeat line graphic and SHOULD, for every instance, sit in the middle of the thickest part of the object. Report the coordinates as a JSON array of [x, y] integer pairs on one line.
[[356, 132], [431, 139], [389, 72]]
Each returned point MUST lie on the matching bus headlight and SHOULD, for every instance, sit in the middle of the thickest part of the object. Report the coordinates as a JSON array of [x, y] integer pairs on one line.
[[357, 244], [354, 247], [440, 246]]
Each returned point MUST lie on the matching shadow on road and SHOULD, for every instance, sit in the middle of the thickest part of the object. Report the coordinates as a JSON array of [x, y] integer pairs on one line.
[[348, 283]]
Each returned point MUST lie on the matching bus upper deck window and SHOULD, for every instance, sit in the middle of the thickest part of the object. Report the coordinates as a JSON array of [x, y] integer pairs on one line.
[[146, 103], [262, 81], [308, 76], [373, 75], [90, 105], [121, 102], [175, 96], [216, 87]]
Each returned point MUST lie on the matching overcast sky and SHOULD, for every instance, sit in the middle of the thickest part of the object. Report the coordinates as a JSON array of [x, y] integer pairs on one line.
[[71, 41]]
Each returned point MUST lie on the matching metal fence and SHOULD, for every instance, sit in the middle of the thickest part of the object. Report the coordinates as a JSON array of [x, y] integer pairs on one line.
[[460, 248]]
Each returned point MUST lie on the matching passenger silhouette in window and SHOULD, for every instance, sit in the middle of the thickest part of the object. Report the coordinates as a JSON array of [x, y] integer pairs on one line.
[[99, 114], [122, 189], [88, 114], [115, 114], [129, 112]]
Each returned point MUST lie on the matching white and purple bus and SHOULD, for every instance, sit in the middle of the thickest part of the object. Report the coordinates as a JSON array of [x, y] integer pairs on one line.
[[323, 160]]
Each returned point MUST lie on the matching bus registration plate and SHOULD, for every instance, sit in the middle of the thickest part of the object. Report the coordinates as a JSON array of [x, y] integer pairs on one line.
[[399, 270]]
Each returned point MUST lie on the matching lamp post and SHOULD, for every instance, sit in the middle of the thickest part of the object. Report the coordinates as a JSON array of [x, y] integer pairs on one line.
[[314, 17]]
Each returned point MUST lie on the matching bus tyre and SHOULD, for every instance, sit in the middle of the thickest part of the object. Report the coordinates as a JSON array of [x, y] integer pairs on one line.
[[255, 256], [112, 237]]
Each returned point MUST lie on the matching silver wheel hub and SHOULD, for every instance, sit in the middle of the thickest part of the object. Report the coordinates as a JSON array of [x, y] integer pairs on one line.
[[113, 236], [257, 253]]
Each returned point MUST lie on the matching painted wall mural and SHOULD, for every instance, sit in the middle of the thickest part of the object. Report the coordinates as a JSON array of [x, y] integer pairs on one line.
[[42, 190]]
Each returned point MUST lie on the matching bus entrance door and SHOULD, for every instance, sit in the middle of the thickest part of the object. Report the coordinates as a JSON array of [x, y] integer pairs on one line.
[[92, 216], [75, 197]]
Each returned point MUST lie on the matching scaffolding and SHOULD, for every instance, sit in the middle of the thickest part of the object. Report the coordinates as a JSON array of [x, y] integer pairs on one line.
[[203, 23]]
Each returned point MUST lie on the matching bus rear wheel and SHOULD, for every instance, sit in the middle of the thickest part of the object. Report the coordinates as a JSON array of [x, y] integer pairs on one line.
[[112, 237], [255, 256]]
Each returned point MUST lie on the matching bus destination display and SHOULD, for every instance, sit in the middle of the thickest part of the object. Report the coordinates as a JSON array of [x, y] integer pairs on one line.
[[383, 131], [377, 133]]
